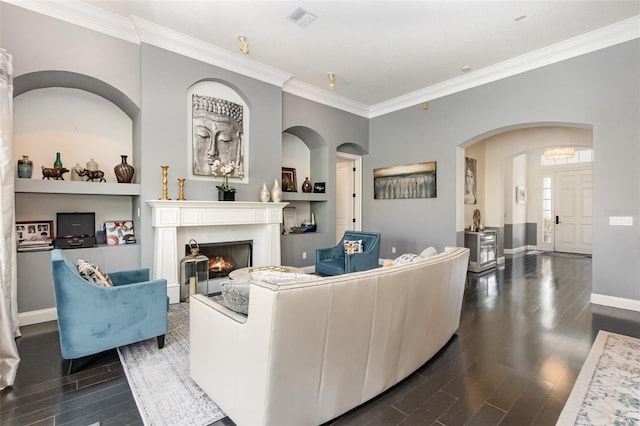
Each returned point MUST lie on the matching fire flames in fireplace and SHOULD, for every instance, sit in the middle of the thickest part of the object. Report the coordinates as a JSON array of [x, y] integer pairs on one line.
[[220, 266]]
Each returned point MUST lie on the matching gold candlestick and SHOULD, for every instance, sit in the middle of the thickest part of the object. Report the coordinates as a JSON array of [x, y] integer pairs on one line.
[[165, 190], [181, 193]]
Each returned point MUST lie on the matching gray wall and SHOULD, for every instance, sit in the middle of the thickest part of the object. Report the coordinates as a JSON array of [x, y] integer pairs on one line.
[[333, 128], [601, 89], [165, 79]]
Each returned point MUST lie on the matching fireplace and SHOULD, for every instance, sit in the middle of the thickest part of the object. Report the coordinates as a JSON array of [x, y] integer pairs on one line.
[[225, 257], [175, 223]]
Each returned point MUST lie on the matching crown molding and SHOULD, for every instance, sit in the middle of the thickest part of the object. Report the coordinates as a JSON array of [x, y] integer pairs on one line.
[[83, 15], [314, 93], [191, 47], [611, 35], [137, 30]]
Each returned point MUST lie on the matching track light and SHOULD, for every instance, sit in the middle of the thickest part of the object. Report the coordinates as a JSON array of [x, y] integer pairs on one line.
[[332, 79], [245, 44]]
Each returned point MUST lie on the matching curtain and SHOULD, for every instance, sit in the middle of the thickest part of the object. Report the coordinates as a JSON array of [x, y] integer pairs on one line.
[[9, 330]]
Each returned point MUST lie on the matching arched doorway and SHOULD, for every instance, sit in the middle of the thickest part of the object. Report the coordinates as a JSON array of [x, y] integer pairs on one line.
[[512, 196]]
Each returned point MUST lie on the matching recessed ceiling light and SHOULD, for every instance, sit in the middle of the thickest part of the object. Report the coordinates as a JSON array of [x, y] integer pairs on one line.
[[466, 68], [301, 17]]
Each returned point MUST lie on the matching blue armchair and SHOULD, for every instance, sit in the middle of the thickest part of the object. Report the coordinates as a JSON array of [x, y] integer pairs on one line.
[[334, 261], [92, 319]]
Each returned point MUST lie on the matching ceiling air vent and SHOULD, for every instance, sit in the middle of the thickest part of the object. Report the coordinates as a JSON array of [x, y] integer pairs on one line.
[[301, 17]]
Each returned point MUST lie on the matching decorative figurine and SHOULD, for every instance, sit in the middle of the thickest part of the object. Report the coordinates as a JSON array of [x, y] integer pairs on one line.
[[92, 175], [53, 172]]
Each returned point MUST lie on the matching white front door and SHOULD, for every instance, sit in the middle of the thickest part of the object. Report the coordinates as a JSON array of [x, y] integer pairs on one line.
[[573, 211]]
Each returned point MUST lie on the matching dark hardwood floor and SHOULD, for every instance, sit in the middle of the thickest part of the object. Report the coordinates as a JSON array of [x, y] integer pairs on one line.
[[524, 334]]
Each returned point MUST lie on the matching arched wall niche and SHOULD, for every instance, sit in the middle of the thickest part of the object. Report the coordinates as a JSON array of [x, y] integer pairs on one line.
[[66, 79], [213, 119], [351, 148], [318, 167], [310, 137]]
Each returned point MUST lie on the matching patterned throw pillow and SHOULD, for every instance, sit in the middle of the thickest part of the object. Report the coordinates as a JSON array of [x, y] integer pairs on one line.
[[353, 246], [236, 295], [94, 274], [405, 259]]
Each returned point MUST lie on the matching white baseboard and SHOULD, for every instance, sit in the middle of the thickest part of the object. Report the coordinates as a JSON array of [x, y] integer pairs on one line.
[[516, 250], [615, 302], [500, 260], [311, 269], [36, 317]]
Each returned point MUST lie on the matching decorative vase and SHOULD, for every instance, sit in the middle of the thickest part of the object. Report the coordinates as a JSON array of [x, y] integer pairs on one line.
[[276, 192], [58, 163], [264, 193], [25, 167], [92, 165], [124, 171], [226, 195], [75, 173], [306, 185]]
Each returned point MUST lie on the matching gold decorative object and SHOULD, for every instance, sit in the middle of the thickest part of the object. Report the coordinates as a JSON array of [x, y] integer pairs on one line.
[[165, 190], [181, 193]]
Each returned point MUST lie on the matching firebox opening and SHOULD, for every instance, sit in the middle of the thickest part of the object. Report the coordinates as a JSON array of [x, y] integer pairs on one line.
[[226, 257]]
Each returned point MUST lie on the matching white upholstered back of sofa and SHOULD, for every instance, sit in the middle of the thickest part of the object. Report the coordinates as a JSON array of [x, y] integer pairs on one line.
[[314, 350]]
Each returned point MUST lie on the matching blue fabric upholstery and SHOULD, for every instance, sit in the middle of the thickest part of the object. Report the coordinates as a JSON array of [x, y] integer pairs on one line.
[[92, 319], [334, 261]]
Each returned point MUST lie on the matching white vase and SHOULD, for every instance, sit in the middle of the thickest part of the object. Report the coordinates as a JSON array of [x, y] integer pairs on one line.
[[264, 193], [276, 192]]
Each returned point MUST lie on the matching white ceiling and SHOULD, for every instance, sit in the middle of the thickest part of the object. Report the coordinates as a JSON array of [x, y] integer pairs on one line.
[[380, 50]]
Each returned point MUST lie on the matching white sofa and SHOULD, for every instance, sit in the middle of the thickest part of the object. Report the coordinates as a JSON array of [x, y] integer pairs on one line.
[[311, 351]]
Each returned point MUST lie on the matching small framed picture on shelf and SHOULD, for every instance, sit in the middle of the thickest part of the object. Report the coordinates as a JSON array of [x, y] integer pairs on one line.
[[289, 218], [289, 182], [319, 187], [34, 230]]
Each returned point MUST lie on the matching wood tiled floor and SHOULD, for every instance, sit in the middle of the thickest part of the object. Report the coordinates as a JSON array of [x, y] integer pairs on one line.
[[524, 334]]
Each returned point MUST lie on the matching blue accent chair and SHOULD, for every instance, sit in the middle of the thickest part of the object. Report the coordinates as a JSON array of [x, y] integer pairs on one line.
[[93, 319], [334, 261]]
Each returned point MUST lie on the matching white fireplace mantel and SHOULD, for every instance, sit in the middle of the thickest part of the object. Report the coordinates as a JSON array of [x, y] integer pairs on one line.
[[176, 222]]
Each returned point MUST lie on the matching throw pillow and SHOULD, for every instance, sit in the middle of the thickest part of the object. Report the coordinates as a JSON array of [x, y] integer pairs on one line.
[[236, 295], [93, 274], [428, 252], [405, 259], [353, 246]]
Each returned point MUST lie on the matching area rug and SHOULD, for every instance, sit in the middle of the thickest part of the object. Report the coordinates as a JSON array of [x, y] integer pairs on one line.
[[160, 381], [607, 391]]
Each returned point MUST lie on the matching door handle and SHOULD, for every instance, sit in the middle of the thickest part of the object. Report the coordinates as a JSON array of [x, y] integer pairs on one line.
[[557, 220]]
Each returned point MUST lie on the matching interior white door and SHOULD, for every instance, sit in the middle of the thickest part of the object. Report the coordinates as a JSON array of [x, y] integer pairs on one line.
[[345, 202], [573, 211]]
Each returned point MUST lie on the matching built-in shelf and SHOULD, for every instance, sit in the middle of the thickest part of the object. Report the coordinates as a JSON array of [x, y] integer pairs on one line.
[[304, 196], [74, 187], [292, 234]]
